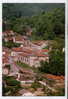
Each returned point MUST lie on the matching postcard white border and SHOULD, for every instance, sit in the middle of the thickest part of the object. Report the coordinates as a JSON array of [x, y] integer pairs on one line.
[[33, 1]]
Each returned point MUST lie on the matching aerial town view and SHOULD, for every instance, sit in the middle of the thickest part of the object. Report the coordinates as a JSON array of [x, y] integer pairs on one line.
[[33, 49]]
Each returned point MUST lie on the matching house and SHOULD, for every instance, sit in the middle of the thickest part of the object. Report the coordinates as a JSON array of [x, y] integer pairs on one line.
[[25, 75], [16, 51], [6, 39], [25, 92], [18, 39], [8, 35], [53, 77], [23, 40], [5, 61], [39, 44], [30, 56], [6, 50], [5, 65], [5, 70], [28, 94], [5, 56]]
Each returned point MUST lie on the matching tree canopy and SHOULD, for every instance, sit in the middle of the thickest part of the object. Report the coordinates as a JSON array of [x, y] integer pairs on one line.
[[47, 24]]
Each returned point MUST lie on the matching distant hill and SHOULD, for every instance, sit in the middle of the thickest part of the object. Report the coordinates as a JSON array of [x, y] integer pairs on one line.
[[27, 9]]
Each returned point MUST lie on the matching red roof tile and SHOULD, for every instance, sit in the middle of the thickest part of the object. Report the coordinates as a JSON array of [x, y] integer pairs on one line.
[[5, 60], [44, 50], [8, 31], [49, 76], [18, 49]]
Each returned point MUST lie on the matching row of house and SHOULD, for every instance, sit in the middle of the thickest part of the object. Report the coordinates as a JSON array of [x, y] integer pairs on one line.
[[29, 52], [30, 56], [8, 35], [23, 40], [24, 55], [5, 60]]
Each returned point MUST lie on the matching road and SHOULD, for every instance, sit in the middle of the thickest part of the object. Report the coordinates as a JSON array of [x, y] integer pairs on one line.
[[44, 84]]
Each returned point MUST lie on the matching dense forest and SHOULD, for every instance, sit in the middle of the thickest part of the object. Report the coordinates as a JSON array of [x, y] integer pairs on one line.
[[46, 21]]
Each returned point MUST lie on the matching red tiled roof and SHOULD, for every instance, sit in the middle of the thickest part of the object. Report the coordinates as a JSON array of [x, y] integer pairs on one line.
[[49, 76], [24, 54], [6, 53], [22, 49], [44, 50], [18, 49], [5, 49], [7, 31], [19, 38], [41, 55], [39, 42], [5, 60], [27, 51]]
